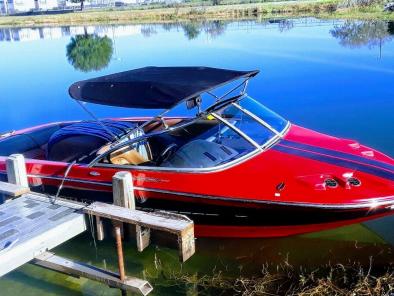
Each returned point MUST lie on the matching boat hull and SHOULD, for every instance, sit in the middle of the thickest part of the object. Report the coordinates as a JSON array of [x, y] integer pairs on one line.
[[240, 219], [280, 191]]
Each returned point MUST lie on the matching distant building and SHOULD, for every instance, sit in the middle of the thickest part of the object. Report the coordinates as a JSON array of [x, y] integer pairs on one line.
[[14, 6], [31, 34]]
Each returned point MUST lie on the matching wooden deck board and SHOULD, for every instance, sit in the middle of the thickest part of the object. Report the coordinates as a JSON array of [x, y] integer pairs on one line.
[[12, 189], [173, 223]]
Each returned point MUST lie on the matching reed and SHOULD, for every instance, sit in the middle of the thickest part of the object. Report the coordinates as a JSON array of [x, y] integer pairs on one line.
[[347, 280]]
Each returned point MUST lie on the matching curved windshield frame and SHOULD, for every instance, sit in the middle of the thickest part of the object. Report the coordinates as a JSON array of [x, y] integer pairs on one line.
[[258, 125]]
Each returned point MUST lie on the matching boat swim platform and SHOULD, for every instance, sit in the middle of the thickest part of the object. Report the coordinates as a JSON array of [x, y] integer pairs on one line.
[[32, 223]]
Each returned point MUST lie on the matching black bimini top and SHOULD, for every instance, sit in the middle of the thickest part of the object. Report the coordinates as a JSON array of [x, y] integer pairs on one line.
[[153, 87]]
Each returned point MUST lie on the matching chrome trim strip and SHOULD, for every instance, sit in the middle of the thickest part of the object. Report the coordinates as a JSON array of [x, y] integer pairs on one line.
[[371, 203], [182, 170], [69, 180], [258, 119], [237, 130]]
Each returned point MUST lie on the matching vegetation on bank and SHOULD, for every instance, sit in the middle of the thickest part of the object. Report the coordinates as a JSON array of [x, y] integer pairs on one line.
[[345, 280], [355, 9]]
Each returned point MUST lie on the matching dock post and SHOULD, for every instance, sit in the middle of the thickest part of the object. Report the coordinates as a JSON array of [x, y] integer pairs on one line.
[[124, 196], [123, 191], [186, 244], [16, 170], [100, 228]]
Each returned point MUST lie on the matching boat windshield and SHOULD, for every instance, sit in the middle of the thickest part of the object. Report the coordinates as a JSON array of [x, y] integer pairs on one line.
[[210, 140]]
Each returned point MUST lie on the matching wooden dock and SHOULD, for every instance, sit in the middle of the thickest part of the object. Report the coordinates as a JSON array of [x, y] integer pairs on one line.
[[31, 224]]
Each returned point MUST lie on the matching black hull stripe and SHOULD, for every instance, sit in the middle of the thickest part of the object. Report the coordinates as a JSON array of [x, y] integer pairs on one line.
[[335, 153], [336, 161]]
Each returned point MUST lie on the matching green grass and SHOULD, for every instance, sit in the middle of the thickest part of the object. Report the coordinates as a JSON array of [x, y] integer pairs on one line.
[[200, 10]]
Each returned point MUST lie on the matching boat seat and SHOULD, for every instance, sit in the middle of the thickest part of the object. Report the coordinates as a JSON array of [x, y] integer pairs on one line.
[[200, 154], [131, 157], [79, 140]]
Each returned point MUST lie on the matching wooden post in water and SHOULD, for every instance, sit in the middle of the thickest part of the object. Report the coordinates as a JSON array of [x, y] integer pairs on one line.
[[100, 228], [119, 249], [123, 195], [16, 170]]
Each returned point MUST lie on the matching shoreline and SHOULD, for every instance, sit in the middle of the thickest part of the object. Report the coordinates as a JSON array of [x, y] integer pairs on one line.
[[326, 9]]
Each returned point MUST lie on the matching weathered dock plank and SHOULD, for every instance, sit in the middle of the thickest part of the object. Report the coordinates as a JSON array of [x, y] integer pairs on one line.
[[155, 220], [179, 225]]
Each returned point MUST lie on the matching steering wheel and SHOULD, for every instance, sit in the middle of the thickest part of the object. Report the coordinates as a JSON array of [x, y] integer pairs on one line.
[[166, 153]]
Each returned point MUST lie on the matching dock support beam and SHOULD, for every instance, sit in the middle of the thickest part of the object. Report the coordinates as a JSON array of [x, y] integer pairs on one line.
[[77, 269], [16, 170]]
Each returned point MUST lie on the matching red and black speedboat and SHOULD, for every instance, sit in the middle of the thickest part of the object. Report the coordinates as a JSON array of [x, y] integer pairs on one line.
[[235, 167]]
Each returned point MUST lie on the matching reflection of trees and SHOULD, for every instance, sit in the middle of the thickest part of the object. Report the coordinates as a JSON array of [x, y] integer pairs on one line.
[[215, 28], [89, 52], [285, 25], [360, 33], [390, 28], [169, 26], [148, 30], [191, 30]]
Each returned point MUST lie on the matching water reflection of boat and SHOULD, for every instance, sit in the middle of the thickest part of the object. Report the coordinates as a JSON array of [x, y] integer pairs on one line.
[[235, 167]]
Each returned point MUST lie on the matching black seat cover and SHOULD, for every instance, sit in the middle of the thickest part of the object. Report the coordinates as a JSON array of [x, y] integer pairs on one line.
[[80, 139]]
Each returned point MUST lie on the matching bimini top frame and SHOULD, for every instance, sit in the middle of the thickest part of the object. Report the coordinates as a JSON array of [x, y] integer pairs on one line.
[[154, 87]]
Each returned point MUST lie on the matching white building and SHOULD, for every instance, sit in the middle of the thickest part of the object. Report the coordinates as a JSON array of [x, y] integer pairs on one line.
[[14, 6]]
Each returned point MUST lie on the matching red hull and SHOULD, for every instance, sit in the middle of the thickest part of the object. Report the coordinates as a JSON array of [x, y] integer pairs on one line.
[[249, 189]]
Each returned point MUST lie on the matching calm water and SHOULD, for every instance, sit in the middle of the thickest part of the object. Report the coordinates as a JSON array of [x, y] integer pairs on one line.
[[332, 76]]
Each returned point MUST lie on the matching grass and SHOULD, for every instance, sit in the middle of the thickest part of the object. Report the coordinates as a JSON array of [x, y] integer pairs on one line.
[[189, 11], [345, 280]]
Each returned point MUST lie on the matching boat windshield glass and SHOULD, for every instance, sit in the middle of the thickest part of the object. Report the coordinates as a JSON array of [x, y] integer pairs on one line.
[[246, 124], [210, 140], [271, 118]]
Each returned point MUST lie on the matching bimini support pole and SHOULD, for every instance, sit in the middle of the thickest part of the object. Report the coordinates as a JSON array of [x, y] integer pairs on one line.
[[96, 119]]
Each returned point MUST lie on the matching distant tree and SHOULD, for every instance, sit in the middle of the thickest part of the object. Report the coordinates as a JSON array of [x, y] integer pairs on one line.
[[191, 29], [89, 52], [215, 2], [79, 1]]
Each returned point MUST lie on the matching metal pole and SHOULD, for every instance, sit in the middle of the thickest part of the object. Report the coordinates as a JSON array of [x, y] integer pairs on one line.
[[119, 250]]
